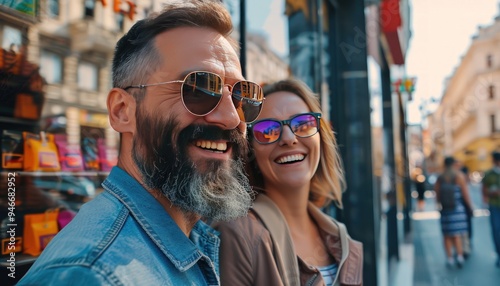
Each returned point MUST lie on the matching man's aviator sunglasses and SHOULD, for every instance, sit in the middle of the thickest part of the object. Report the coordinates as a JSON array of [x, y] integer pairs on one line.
[[267, 131], [201, 93]]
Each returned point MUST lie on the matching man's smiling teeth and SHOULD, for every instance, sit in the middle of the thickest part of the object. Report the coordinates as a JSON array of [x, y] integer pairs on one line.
[[290, 158], [205, 144]]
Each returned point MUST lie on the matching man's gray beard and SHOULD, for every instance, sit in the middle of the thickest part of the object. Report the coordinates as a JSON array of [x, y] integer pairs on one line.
[[222, 192]]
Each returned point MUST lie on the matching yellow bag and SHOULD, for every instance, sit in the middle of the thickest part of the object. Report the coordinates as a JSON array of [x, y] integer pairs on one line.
[[39, 229], [40, 153]]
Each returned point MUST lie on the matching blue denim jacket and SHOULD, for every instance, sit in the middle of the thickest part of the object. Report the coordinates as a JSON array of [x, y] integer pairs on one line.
[[125, 237]]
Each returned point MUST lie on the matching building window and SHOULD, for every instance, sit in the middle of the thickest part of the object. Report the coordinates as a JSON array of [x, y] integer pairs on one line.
[[53, 8], [87, 76], [493, 125], [51, 67], [491, 91], [11, 38], [89, 8], [489, 61]]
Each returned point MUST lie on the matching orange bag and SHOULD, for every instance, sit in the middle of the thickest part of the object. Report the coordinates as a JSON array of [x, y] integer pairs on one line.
[[40, 152], [26, 107], [39, 229]]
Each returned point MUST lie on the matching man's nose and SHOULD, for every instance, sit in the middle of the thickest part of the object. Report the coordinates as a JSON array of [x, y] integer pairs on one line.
[[225, 114]]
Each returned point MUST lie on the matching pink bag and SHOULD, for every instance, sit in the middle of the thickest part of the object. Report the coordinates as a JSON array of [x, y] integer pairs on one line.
[[64, 217]]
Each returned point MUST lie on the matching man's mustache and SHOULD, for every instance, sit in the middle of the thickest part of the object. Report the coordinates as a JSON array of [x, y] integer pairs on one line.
[[210, 132]]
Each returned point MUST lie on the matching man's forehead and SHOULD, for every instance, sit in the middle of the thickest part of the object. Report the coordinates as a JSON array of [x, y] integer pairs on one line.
[[199, 46], [195, 39]]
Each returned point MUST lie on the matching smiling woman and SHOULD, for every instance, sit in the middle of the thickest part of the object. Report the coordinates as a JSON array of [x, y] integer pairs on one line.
[[295, 167]]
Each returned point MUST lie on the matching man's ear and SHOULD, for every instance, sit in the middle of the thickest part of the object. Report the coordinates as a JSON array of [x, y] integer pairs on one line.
[[121, 107]]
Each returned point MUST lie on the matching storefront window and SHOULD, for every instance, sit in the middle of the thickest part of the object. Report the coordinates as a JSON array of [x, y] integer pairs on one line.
[[87, 76], [11, 39], [53, 8], [89, 8], [51, 67]]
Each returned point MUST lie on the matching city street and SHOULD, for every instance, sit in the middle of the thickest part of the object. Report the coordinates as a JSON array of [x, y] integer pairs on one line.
[[429, 255]]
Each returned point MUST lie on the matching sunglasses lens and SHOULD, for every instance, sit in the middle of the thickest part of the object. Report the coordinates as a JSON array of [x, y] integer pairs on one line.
[[267, 131], [201, 92], [247, 98], [304, 125]]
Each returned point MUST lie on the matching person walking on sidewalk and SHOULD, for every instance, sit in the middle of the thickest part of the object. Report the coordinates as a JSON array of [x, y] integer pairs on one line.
[[491, 196], [452, 194]]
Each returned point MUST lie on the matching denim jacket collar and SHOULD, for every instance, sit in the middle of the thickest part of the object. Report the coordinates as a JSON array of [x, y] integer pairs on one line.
[[160, 226]]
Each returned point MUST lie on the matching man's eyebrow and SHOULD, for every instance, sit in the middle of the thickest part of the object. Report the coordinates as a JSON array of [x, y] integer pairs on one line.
[[183, 74]]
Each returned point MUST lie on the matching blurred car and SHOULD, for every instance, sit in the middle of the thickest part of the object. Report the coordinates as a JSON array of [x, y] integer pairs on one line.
[[69, 184], [70, 191]]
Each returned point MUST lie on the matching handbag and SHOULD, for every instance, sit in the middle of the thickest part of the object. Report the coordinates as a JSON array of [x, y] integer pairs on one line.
[[64, 217], [39, 229]]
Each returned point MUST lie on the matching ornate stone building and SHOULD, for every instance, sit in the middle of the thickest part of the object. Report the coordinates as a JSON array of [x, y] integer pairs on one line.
[[467, 121]]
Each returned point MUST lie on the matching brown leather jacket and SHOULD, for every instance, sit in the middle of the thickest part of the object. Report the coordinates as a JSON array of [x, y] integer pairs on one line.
[[248, 251]]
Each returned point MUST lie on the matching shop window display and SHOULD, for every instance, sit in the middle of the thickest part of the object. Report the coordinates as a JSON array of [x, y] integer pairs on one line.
[[44, 177]]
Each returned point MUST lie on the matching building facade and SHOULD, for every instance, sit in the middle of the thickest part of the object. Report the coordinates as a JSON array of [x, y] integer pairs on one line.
[[467, 121], [263, 64]]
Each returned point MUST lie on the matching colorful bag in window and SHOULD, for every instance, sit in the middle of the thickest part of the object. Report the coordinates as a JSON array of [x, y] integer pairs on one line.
[[70, 155], [12, 150], [39, 229], [108, 156], [65, 217], [90, 153], [40, 152]]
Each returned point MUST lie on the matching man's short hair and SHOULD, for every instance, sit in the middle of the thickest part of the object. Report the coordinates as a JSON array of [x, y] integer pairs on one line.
[[449, 161], [496, 156]]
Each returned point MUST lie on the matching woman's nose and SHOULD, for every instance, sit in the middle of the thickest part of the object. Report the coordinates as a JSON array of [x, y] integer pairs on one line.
[[287, 136]]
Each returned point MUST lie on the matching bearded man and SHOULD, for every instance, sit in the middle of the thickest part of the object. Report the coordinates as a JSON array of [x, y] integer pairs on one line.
[[180, 104]]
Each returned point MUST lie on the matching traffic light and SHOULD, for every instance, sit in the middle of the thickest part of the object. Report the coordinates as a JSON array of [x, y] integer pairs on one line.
[[405, 85], [409, 84]]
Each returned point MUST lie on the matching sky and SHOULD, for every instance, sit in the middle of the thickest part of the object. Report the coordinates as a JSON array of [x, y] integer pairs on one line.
[[441, 34]]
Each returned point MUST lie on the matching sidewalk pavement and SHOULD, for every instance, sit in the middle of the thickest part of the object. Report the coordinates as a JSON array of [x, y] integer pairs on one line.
[[430, 259]]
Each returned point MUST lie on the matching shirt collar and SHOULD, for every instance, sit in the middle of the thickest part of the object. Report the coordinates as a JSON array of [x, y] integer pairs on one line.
[[159, 225]]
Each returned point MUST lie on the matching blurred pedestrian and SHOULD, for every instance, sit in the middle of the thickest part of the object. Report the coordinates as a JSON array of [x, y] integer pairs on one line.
[[420, 187], [450, 188], [465, 170], [467, 238], [491, 196], [286, 239]]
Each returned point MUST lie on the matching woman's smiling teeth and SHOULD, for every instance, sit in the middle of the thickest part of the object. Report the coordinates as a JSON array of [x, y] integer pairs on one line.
[[290, 159], [211, 145]]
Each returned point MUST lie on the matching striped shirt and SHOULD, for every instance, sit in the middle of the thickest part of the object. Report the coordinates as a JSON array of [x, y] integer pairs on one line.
[[328, 272]]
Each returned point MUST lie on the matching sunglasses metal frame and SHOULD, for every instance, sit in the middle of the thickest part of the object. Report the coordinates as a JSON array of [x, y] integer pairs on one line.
[[230, 87], [316, 115]]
